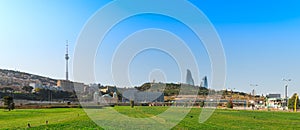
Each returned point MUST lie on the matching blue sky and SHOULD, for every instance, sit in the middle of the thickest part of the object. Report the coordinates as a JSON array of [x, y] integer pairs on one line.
[[260, 39]]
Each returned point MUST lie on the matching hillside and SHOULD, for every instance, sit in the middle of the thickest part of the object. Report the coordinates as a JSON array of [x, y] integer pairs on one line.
[[17, 79]]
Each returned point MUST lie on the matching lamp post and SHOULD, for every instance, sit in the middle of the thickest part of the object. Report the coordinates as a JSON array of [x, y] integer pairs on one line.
[[286, 87]]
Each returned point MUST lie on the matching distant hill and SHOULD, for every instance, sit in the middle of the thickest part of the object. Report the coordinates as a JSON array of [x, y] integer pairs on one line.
[[172, 89], [17, 79]]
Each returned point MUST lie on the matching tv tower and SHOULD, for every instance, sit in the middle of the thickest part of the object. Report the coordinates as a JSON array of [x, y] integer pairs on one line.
[[67, 58]]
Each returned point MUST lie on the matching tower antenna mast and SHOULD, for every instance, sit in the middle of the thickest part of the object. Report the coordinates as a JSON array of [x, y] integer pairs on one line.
[[67, 58]]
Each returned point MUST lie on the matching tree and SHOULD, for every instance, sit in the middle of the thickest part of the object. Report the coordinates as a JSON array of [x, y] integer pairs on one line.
[[230, 104], [9, 102], [27, 89], [202, 104], [291, 102], [131, 103]]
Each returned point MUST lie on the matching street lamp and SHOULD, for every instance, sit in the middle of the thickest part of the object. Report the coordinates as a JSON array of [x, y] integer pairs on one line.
[[286, 87]]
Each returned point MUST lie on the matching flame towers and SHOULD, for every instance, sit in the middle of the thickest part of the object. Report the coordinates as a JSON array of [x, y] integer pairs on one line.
[[204, 82], [189, 78]]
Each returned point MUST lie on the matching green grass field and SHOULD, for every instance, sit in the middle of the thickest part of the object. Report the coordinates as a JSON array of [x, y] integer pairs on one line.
[[75, 118]]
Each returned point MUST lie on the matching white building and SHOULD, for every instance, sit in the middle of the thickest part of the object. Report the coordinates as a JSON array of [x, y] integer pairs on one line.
[[35, 86]]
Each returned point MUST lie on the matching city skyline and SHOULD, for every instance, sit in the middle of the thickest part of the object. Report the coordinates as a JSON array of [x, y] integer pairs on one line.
[[259, 39]]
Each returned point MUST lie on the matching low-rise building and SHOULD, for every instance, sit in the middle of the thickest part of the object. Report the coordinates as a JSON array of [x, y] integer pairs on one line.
[[274, 102], [105, 99], [65, 85], [108, 89], [35, 86], [70, 86]]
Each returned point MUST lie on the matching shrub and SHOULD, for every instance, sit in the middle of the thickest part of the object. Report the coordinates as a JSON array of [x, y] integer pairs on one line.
[[202, 104]]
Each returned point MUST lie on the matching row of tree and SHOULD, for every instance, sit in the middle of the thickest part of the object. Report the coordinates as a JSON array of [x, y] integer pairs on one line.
[[171, 89], [40, 95]]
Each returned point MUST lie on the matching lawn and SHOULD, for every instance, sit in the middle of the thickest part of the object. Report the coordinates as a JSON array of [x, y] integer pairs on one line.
[[76, 118]]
